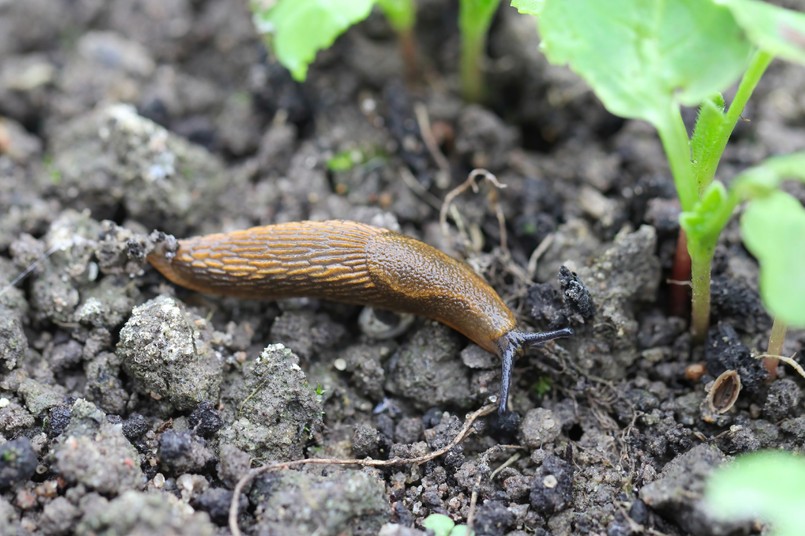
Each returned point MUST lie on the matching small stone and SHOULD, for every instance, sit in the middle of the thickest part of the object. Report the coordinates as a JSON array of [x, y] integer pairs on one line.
[[17, 462], [183, 452], [539, 427], [552, 487], [167, 351]]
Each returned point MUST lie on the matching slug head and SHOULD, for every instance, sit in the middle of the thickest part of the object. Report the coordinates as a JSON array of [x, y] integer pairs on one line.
[[511, 345]]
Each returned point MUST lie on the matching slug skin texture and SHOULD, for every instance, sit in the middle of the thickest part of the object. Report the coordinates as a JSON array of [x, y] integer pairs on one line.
[[348, 262]]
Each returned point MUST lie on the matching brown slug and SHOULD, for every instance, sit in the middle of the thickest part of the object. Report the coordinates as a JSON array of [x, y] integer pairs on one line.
[[350, 262]]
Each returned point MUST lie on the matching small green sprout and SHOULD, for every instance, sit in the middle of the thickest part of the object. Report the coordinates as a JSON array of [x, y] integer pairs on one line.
[[344, 160], [645, 60], [765, 485], [474, 19], [542, 386], [53, 172], [442, 525]]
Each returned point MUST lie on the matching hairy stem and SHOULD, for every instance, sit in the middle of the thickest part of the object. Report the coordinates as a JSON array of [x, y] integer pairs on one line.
[[776, 340], [700, 267], [757, 66]]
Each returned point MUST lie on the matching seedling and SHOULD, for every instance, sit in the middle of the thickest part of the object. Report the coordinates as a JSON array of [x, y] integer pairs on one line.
[[474, 19], [766, 485], [442, 525], [401, 14], [296, 30], [645, 60]]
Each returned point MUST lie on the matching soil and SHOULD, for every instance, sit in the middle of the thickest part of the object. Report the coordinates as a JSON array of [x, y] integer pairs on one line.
[[131, 406]]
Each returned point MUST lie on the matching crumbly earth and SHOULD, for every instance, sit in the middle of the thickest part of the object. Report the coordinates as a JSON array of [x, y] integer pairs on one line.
[[130, 406]]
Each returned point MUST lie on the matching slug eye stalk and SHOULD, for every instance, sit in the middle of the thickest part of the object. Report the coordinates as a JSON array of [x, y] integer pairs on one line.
[[511, 345]]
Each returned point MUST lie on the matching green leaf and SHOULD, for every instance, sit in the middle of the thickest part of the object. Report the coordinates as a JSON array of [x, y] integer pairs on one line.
[[701, 223], [528, 7], [705, 143], [400, 13], [778, 31], [643, 56], [297, 29], [760, 180], [768, 485], [440, 524], [773, 229]]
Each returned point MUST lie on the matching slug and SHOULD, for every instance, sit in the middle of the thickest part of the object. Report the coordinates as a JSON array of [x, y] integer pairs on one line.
[[355, 263]]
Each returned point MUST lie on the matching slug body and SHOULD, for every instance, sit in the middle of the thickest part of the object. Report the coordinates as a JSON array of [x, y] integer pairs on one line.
[[353, 263]]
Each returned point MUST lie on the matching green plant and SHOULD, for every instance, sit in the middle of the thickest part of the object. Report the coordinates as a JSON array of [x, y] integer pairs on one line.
[[647, 59], [442, 525], [401, 14], [474, 19], [766, 485], [296, 30], [542, 386]]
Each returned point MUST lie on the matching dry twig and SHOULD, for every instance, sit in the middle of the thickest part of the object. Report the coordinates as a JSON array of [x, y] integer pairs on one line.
[[472, 183], [787, 360]]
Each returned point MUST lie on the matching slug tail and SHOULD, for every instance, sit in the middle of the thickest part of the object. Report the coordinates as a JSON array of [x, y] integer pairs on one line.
[[512, 344]]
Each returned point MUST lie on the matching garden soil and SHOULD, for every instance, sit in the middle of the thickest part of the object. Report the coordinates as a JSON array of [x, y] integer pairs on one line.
[[131, 406]]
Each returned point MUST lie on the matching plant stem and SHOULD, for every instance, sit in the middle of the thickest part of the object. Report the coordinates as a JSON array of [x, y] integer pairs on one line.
[[700, 266], [472, 83], [680, 271], [409, 54], [757, 66], [401, 15], [689, 187], [675, 142], [474, 19], [776, 339]]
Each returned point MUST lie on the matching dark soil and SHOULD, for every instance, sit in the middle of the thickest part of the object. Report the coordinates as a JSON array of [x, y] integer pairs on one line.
[[128, 405]]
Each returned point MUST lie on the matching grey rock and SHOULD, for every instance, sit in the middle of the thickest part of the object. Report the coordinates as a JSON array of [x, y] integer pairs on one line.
[[677, 493], [143, 514], [39, 396], [277, 410], [14, 418], [540, 426], [59, 516], [17, 462], [13, 343], [626, 273], [95, 453], [345, 502], [782, 399], [104, 386], [115, 157], [9, 520], [552, 487], [183, 452], [427, 370], [168, 353]]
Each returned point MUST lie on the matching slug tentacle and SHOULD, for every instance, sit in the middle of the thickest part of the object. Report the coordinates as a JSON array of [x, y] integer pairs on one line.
[[512, 344]]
